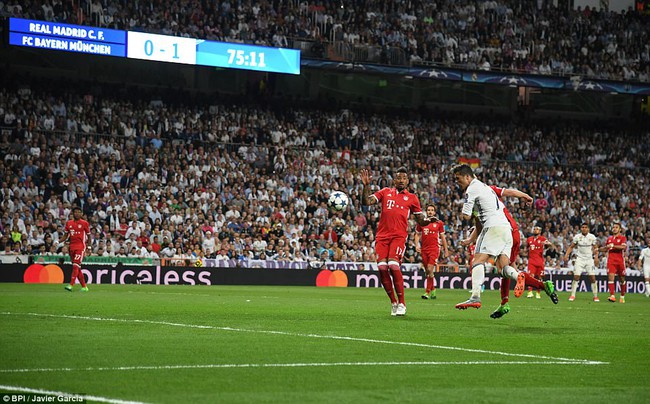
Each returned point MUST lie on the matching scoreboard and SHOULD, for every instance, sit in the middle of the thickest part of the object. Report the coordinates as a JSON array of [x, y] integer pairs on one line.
[[154, 47]]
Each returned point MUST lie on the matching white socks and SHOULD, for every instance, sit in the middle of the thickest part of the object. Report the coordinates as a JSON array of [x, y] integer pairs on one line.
[[510, 272], [478, 277]]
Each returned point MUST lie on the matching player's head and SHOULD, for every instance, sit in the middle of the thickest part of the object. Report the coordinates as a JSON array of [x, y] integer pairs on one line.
[[537, 230], [616, 228], [431, 211], [463, 175], [401, 178], [584, 228], [76, 212]]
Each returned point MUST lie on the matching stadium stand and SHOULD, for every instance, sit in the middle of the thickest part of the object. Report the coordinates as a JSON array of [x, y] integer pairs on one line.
[[527, 36]]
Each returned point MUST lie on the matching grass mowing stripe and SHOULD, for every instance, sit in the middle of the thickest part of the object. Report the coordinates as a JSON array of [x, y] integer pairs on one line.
[[20, 389], [335, 337], [296, 365]]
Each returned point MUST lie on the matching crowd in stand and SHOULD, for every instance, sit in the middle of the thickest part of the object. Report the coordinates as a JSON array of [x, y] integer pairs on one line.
[[164, 180], [529, 36]]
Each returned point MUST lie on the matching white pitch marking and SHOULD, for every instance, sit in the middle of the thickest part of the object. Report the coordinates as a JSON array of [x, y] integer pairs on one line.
[[61, 393], [335, 337], [296, 365]]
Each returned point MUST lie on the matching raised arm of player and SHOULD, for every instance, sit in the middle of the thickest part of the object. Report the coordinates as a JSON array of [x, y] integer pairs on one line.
[[367, 198], [515, 193]]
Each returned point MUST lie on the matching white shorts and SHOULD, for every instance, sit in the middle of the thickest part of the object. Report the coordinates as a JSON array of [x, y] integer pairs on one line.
[[646, 271], [495, 241], [584, 266]]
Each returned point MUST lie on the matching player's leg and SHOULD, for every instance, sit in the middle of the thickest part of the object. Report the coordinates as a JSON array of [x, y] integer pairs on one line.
[[621, 278], [577, 272], [504, 266], [80, 274], [611, 284], [381, 249], [396, 250], [76, 268], [428, 272], [431, 280], [646, 275], [574, 285], [594, 285], [490, 243]]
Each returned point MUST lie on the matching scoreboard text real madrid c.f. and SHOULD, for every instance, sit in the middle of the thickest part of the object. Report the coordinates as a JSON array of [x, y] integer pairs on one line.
[[154, 47]]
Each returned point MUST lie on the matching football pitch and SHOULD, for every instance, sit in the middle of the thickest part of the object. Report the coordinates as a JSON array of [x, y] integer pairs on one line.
[[232, 344]]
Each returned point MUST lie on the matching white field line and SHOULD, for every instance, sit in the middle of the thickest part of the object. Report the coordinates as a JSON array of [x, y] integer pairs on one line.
[[295, 365], [292, 334], [63, 395]]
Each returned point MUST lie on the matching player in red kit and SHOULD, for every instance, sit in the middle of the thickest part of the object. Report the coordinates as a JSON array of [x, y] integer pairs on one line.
[[77, 232], [397, 204], [432, 236], [615, 245], [536, 263]]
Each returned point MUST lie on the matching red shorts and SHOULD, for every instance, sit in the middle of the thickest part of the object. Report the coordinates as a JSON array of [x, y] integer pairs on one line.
[[536, 270], [430, 257], [77, 255], [615, 267], [516, 244], [390, 249]]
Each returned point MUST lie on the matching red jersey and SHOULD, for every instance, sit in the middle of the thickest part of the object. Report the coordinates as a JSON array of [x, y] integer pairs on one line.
[[79, 231], [431, 235], [616, 255], [511, 220], [396, 207], [536, 250]]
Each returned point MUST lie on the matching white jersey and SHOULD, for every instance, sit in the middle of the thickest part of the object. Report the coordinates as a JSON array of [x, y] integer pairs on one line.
[[485, 201], [584, 246], [645, 256]]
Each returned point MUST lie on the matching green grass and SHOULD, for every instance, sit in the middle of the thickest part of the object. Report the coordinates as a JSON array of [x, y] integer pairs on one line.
[[295, 325]]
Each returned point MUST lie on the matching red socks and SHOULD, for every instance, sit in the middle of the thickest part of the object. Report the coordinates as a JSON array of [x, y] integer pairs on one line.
[[533, 282], [387, 282], [431, 285], [505, 290], [398, 280], [75, 274]]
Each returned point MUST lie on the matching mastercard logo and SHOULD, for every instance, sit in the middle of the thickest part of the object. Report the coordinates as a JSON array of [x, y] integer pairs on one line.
[[38, 273], [327, 278]]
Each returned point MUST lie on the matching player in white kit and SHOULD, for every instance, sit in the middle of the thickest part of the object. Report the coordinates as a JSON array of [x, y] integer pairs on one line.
[[585, 245], [644, 265], [495, 239]]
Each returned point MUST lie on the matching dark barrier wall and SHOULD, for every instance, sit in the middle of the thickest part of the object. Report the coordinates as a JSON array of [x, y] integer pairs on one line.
[[98, 274]]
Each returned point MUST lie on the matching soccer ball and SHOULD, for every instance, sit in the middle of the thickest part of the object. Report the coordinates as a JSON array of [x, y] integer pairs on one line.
[[338, 201]]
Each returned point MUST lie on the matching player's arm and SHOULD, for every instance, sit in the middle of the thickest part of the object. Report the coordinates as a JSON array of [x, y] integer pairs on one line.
[[568, 252], [639, 264], [471, 239], [548, 244], [595, 253], [445, 248], [367, 198], [468, 207], [423, 220], [515, 193], [416, 240]]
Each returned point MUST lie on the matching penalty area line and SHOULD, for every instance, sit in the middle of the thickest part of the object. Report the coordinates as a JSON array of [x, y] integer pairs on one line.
[[295, 365], [64, 395], [293, 334]]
